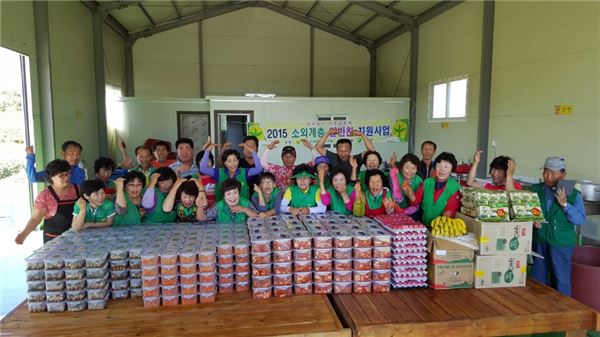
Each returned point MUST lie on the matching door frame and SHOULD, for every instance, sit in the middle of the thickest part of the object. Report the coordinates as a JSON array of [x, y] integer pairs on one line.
[[217, 132]]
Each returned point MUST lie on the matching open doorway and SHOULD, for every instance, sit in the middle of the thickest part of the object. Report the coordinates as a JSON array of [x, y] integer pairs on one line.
[[15, 202], [231, 126]]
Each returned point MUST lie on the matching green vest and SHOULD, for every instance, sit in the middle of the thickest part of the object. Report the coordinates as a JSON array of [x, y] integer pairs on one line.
[[241, 177], [158, 215], [146, 174], [376, 201], [271, 203], [301, 199], [433, 209], [558, 231], [132, 217], [224, 214], [186, 214], [414, 185], [337, 203]]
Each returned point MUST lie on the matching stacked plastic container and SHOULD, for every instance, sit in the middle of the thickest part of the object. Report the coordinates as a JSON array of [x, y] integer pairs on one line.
[[409, 253], [233, 258]]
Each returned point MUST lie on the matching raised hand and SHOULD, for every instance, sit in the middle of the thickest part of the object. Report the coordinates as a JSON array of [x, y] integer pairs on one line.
[[393, 159], [29, 150], [512, 166], [119, 183], [207, 143], [353, 162], [477, 156], [257, 189], [306, 143], [273, 144], [356, 133]]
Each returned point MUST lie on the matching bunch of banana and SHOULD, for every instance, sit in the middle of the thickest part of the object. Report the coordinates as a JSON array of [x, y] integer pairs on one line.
[[445, 226]]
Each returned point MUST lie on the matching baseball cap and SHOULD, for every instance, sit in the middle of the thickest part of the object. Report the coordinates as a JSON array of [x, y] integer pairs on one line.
[[555, 163], [322, 159]]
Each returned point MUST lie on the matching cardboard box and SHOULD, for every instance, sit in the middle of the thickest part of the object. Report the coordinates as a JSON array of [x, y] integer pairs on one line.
[[450, 265], [499, 271], [500, 237], [443, 251], [450, 275]]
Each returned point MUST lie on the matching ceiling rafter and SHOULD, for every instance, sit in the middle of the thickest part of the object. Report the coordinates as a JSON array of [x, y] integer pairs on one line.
[[369, 20], [387, 12], [312, 8], [147, 14], [340, 14], [177, 11], [109, 6]]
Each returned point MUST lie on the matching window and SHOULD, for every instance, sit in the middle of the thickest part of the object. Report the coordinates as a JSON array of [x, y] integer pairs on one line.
[[448, 99]]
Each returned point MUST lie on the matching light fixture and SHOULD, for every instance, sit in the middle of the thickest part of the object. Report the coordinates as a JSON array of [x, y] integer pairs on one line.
[[260, 95]]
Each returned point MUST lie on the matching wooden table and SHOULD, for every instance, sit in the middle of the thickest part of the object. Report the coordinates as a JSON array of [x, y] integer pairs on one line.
[[535, 308], [231, 315]]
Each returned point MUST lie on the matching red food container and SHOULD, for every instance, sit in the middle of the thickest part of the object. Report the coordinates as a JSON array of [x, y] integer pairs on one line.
[[381, 286], [303, 289], [187, 258], [302, 266], [282, 280], [302, 243], [151, 302], [362, 253], [169, 280], [170, 291], [382, 252], [190, 299], [207, 298], [362, 240], [323, 253], [282, 243], [225, 249], [323, 276], [261, 258], [303, 277], [189, 289], [151, 291], [207, 288], [225, 259], [342, 253], [261, 293], [225, 288], [362, 264], [205, 277], [242, 286], [242, 268], [282, 291], [382, 275], [189, 279], [150, 281], [168, 259], [150, 271], [244, 258], [226, 278], [342, 265], [225, 269], [206, 256], [324, 265], [302, 255], [150, 260], [382, 264], [323, 288], [342, 240], [206, 267], [282, 268], [323, 242], [170, 301], [168, 269], [342, 276], [342, 287], [261, 246], [241, 249], [261, 281], [261, 269], [361, 276], [242, 277], [285, 256], [187, 268], [362, 287]]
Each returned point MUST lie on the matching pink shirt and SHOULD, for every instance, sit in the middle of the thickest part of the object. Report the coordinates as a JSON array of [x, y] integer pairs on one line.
[[45, 201]]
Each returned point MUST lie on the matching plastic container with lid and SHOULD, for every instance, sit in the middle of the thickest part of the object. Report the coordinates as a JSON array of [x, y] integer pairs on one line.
[[342, 239], [76, 305], [119, 274], [75, 295], [302, 242], [205, 256], [36, 306], [225, 259], [207, 297], [51, 296], [261, 258], [170, 301], [242, 267], [283, 291], [242, 277], [381, 286], [362, 253], [362, 264], [74, 262], [168, 259], [381, 238], [135, 273], [206, 267], [36, 296], [361, 276], [226, 288], [168, 269], [225, 249], [148, 281], [261, 269], [303, 277], [35, 263], [97, 283], [361, 287], [56, 306], [225, 268], [282, 256], [96, 259], [226, 278], [35, 275], [382, 275], [303, 289], [362, 239], [323, 276], [55, 285], [342, 276], [261, 281], [119, 284], [261, 293], [342, 253], [118, 264], [136, 292], [150, 259], [97, 294], [169, 290], [241, 249], [261, 244], [323, 288], [282, 242], [323, 265], [282, 279], [203, 277], [99, 304], [187, 268], [54, 262], [302, 266], [150, 270], [382, 252], [342, 287], [54, 274], [118, 253], [382, 264], [242, 286], [242, 258], [188, 257], [169, 280], [190, 299], [151, 302], [209, 287], [302, 255], [36, 285], [340, 265], [322, 240], [189, 289]]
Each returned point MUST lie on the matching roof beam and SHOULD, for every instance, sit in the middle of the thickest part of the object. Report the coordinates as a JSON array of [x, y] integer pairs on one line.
[[285, 3], [340, 14], [109, 6], [315, 23], [152, 22], [176, 9], [369, 20], [423, 17], [312, 8], [110, 20], [186, 20], [387, 12]]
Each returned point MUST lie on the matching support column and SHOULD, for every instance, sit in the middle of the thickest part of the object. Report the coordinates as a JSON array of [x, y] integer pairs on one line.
[[373, 72], [98, 27], [42, 45], [129, 86], [201, 59], [412, 85], [312, 62], [485, 90]]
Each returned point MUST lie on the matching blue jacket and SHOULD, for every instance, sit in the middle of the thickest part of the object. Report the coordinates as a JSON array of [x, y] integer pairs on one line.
[[77, 173]]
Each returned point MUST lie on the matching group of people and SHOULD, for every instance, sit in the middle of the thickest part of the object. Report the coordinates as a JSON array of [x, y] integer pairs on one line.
[[239, 185]]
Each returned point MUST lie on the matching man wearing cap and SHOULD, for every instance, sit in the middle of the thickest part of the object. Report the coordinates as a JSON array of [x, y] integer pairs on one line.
[[554, 238], [343, 147], [283, 173], [303, 197]]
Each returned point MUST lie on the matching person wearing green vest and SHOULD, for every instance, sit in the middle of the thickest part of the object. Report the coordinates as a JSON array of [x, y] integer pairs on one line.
[[161, 183], [231, 162], [554, 239], [377, 198], [339, 196], [103, 170], [267, 197], [439, 195], [322, 163], [233, 208], [128, 205], [185, 196], [405, 180], [372, 161], [92, 210], [303, 197]]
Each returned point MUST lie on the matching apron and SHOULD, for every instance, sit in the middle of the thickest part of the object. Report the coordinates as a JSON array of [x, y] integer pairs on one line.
[[61, 221]]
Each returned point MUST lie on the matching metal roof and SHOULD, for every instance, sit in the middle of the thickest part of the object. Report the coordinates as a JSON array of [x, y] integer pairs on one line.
[[369, 23]]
